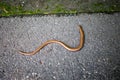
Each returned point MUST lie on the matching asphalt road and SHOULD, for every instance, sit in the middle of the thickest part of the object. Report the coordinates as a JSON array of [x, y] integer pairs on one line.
[[99, 59]]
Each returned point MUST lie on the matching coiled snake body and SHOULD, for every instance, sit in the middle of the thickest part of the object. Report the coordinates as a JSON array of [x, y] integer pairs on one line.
[[59, 42]]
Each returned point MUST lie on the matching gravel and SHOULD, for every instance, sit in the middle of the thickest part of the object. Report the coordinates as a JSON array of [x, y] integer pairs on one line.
[[99, 59]]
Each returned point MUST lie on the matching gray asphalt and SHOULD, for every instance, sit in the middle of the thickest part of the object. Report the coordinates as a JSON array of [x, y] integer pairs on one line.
[[99, 59]]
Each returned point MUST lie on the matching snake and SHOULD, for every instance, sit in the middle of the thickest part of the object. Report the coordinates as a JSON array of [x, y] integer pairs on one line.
[[81, 43]]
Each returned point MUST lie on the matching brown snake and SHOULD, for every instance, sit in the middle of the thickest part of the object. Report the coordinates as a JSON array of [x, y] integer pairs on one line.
[[59, 42]]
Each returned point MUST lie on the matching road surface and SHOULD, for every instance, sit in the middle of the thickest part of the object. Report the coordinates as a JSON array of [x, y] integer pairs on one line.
[[99, 59]]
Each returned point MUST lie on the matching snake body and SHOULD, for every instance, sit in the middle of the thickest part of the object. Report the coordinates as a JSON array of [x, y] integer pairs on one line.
[[59, 42]]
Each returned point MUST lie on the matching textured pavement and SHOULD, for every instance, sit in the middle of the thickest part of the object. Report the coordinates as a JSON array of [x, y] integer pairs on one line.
[[99, 59]]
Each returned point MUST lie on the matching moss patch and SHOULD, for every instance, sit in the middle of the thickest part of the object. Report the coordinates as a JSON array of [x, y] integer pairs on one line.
[[9, 10], [102, 7]]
